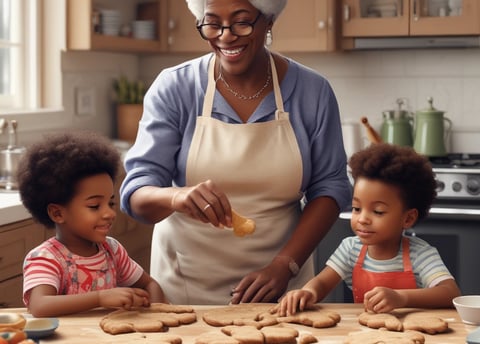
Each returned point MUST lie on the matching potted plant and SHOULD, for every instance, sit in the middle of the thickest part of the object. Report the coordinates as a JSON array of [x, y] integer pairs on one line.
[[129, 98]]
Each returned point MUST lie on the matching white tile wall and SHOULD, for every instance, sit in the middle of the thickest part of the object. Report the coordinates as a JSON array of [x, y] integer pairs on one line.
[[365, 82]]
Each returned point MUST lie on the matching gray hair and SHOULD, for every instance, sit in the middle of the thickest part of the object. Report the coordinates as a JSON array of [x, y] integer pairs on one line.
[[268, 7]]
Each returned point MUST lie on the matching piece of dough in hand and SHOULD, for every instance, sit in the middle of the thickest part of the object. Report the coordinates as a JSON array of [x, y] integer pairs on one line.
[[241, 225]]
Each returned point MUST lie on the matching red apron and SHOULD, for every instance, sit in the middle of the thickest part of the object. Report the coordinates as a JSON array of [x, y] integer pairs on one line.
[[364, 280]]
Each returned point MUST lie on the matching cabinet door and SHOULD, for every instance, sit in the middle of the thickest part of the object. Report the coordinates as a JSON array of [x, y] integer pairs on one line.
[[458, 17], [384, 18], [15, 242], [306, 25], [182, 35], [369, 18], [11, 293]]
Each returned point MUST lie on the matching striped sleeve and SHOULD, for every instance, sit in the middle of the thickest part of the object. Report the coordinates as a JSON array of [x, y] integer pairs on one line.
[[40, 267], [427, 263], [128, 270]]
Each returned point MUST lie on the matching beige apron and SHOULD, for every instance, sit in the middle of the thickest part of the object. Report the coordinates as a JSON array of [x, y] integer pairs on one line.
[[259, 167]]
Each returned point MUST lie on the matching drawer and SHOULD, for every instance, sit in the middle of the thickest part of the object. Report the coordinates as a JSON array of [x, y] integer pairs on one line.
[[11, 293], [15, 243]]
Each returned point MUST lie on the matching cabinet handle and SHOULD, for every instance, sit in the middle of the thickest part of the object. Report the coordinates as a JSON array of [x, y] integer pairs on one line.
[[346, 12], [415, 10], [322, 25], [171, 24]]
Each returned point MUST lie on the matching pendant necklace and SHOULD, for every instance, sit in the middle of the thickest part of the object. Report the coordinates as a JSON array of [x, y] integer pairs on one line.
[[238, 94]]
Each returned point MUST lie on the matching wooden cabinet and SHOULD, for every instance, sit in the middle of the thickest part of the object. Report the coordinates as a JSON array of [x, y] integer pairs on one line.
[[16, 239], [310, 26], [175, 27], [81, 34], [178, 26], [375, 18]]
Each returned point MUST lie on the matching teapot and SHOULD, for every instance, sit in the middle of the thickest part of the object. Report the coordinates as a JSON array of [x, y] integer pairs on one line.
[[397, 126], [431, 131]]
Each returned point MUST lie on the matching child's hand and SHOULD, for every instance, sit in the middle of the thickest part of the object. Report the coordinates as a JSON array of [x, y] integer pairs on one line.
[[124, 297], [383, 300], [295, 300]]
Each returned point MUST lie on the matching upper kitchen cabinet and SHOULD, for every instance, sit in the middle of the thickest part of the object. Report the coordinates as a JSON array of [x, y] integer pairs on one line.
[[178, 25], [389, 18], [310, 25], [115, 26]]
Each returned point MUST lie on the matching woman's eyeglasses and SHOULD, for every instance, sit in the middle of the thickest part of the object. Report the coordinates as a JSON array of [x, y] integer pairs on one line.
[[240, 29]]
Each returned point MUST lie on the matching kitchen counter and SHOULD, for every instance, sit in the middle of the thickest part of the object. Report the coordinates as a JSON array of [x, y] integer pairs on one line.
[[84, 327], [11, 208]]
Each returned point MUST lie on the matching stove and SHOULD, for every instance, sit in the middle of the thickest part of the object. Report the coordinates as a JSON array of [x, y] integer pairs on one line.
[[458, 177]]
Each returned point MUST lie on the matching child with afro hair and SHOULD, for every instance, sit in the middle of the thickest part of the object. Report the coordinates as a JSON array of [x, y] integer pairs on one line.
[[394, 188], [66, 182]]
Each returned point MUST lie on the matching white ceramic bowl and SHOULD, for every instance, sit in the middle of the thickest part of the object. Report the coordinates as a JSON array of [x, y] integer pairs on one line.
[[468, 307]]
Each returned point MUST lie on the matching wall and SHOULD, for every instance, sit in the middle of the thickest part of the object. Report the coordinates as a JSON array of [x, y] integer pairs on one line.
[[369, 82]]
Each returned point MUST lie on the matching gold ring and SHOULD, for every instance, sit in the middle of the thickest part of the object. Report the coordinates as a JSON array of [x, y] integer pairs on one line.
[[206, 207]]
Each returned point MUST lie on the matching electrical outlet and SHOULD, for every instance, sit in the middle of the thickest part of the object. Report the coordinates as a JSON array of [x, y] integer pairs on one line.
[[85, 102]]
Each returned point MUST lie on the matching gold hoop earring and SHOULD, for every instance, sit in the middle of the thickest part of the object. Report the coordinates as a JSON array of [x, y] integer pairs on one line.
[[269, 38]]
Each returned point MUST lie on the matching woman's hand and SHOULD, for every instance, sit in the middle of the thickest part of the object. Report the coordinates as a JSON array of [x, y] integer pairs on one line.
[[204, 202], [123, 297], [265, 285]]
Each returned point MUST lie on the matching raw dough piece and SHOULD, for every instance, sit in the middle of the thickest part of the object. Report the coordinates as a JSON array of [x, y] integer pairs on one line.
[[156, 318], [315, 317], [383, 336], [380, 320], [425, 323], [241, 225], [252, 314], [215, 338], [244, 334], [279, 335], [307, 338]]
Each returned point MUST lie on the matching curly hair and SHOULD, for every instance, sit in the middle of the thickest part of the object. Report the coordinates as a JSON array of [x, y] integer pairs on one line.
[[402, 167], [50, 169]]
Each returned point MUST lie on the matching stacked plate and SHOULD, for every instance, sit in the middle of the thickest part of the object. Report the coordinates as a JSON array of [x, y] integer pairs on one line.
[[111, 21], [437, 8], [143, 29]]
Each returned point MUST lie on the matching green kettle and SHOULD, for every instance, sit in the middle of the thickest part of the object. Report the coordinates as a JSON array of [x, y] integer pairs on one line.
[[431, 131], [397, 126]]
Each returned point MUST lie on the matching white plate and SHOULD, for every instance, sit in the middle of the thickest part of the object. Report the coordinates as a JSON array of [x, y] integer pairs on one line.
[[40, 327]]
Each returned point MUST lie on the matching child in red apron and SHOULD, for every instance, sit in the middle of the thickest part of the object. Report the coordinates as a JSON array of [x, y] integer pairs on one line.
[[393, 189]]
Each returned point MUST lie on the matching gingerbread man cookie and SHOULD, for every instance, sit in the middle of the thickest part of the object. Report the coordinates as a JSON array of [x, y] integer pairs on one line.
[[380, 320]]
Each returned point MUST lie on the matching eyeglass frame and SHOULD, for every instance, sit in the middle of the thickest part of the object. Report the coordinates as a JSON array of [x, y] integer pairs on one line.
[[221, 28]]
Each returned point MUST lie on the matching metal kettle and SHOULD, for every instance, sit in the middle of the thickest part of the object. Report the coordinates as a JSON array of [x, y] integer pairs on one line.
[[431, 131], [397, 126]]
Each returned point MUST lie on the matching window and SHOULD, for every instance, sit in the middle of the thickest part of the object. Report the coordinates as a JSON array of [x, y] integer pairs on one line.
[[23, 24]]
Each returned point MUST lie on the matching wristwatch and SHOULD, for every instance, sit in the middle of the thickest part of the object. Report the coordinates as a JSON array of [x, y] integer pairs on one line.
[[292, 265]]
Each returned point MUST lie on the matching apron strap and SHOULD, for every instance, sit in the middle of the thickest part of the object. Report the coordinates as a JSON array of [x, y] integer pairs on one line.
[[210, 92]]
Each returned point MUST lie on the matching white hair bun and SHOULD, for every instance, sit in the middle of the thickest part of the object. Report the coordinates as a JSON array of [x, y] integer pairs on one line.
[[267, 7]]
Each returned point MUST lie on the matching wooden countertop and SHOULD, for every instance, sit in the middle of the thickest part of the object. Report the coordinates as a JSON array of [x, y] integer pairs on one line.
[[84, 327]]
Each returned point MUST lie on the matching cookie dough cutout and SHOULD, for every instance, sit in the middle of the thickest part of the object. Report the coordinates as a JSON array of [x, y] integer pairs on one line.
[[244, 314], [425, 323], [384, 336], [241, 225], [244, 334], [380, 320], [279, 335], [307, 338], [215, 337], [156, 318], [316, 317]]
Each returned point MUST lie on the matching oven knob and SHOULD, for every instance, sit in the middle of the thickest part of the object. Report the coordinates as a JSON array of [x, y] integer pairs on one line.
[[440, 186], [473, 186], [456, 186]]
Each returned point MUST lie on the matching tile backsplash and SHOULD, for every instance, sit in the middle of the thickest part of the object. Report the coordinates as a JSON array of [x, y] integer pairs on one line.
[[365, 82]]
